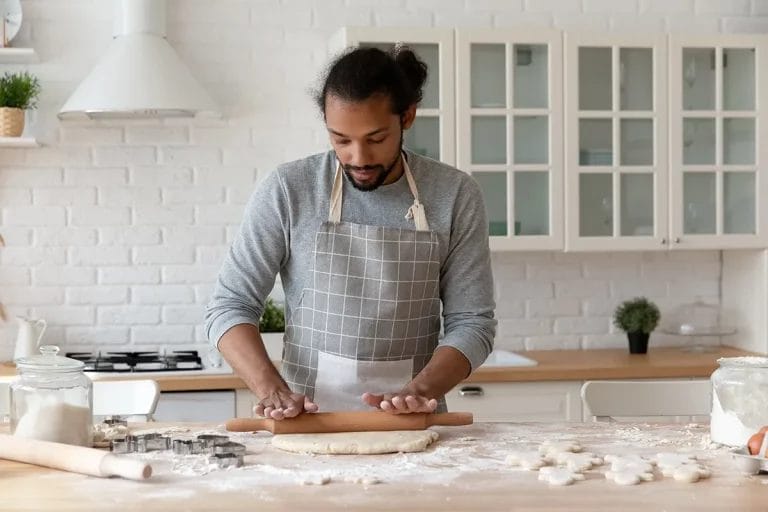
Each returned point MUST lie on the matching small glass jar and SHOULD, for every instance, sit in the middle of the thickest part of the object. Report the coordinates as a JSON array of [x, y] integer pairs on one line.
[[52, 399], [739, 399]]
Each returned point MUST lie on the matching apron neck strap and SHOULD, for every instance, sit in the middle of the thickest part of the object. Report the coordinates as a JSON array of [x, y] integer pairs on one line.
[[415, 212]]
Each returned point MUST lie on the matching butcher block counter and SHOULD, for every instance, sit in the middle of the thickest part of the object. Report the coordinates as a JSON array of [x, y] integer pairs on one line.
[[554, 365], [465, 469]]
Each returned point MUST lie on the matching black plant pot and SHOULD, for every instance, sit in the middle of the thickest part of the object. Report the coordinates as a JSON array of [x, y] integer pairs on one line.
[[638, 342]]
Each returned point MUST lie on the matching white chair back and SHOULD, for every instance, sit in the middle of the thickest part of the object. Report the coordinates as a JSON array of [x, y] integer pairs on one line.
[[609, 399], [125, 398]]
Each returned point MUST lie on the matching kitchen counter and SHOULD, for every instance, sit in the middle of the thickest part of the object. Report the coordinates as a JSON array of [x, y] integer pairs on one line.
[[464, 470], [554, 365]]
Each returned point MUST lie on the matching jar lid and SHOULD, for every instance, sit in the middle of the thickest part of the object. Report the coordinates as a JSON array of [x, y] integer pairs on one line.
[[49, 361], [744, 362]]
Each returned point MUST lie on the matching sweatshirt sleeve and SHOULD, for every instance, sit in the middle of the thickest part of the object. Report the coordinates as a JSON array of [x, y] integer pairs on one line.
[[256, 255], [466, 280]]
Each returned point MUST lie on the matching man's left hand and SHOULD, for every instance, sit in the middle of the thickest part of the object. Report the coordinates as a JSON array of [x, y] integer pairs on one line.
[[400, 403]]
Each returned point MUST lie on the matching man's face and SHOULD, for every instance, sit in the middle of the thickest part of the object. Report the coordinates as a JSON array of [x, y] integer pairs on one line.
[[367, 138]]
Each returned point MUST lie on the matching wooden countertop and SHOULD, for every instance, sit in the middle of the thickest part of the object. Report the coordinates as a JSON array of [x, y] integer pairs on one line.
[[464, 470], [554, 365]]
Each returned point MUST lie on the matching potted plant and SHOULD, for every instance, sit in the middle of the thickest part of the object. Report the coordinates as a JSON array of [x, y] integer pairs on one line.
[[272, 322], [18, 92], [638, 318]]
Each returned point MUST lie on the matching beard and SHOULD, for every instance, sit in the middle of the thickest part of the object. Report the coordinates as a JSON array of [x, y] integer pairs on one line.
[[377, 174]]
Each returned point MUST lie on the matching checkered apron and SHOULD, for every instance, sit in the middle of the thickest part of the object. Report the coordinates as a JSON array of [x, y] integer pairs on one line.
[[368, 319]]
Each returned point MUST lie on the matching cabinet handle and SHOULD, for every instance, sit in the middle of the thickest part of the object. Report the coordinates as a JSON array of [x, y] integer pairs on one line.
[[663, 241], [471, 391], [677, 240]]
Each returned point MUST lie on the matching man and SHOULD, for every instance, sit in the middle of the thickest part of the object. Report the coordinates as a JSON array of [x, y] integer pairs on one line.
[[369, 239]]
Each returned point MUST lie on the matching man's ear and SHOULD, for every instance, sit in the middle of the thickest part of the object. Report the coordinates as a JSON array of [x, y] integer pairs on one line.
[[406, 120]]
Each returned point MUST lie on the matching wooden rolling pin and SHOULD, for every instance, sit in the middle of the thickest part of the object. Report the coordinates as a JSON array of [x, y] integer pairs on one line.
[[348, 422], [76, 459]]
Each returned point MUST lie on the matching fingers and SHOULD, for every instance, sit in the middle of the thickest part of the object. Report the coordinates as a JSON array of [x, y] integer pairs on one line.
[[309, 405], [407, 404], [373, 400], [278, 407]]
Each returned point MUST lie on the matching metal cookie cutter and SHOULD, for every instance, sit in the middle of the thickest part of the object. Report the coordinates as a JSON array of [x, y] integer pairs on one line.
[[121, 445], [229, 448], [114, 421], [211, 440], [151, 441], [187, 446], [226, 460]]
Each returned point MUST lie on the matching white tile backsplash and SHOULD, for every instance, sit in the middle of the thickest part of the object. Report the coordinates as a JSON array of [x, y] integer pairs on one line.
[[115, 228]]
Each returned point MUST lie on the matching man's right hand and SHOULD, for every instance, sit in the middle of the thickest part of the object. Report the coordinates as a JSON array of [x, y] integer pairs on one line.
[[284, 404]]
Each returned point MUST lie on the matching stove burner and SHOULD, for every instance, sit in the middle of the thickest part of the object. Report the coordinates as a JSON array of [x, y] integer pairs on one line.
[[130, 362]]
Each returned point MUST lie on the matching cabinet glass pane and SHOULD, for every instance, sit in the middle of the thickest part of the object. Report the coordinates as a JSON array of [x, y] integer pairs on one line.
[[531, 140], [424, 137], [494, 188], [699, 203], [488, 72], [595, 92], [698, 141], [595, 204], [489, 140], [698, 78], [636, 78], [636, 204], [739, 202], [739, 141], [531, 86], [595, 142], [430, 54], [531, 203], [636, 141], [738, 78]]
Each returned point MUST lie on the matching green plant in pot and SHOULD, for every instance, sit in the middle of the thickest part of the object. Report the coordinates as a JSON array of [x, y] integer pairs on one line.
[[18, 92], [273, 318], [637, 317]]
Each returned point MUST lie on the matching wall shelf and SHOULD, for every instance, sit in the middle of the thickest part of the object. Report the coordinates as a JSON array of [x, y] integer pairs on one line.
[[18, 142], [17, 55]]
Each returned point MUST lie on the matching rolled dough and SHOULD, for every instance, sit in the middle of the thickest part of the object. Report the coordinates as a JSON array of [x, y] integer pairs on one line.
[[356, 443]]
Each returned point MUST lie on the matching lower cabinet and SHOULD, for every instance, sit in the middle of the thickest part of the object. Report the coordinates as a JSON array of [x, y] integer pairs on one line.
[[518, 401]]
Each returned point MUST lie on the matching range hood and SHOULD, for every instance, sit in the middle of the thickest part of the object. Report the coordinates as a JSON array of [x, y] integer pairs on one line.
[[140, 76]]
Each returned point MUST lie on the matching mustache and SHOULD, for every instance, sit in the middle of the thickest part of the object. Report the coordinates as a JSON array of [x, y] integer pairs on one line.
[[348, 168]]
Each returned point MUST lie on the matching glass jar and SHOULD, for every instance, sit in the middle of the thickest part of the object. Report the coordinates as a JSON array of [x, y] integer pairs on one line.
[[52, 399], [739, 399]]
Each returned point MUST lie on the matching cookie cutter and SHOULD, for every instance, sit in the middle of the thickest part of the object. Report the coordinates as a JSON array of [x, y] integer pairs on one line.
[[120, 445], [187, 446], [226, 460], [229, 448], [211, 440], [114, 421], [151, 442]]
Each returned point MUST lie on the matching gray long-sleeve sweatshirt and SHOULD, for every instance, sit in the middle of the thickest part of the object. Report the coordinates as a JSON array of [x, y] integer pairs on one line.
[[289, 205]]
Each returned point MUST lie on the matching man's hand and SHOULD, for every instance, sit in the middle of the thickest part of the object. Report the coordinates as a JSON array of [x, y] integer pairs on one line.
[[284, 404], [400, 403]]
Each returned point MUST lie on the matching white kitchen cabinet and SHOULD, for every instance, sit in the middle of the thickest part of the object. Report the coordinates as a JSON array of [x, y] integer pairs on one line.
[[509, 118], [433, 132], [196, 406], [616, 162], [717, 113], [244, 402], [518, 401]]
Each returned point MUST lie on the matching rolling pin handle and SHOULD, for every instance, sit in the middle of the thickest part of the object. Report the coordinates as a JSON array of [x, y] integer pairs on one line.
[[450, 418]]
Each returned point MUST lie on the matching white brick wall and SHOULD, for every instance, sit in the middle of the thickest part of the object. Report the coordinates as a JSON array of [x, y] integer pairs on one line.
[[115, 229]]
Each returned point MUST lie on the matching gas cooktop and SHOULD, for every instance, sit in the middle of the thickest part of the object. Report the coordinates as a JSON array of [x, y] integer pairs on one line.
[[126, 362]]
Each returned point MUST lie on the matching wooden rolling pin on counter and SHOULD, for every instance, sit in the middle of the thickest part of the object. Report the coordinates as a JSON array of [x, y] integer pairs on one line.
[[553, 365]]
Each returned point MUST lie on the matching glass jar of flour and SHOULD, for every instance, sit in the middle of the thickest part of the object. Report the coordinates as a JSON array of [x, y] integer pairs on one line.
[[739, 399], [52, 399]]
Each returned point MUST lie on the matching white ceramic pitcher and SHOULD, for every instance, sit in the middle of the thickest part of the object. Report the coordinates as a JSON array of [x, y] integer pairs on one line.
[[29, 336]]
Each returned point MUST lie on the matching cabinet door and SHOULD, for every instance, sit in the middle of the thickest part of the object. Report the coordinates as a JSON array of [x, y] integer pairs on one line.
[[509, 114], [717, 108], [433, 131], [517, 401], [616, 142]]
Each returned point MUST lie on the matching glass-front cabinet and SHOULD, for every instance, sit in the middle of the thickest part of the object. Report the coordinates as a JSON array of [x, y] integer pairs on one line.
[[433, 133], [615, 142], [509, 118], [718, 94]]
